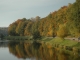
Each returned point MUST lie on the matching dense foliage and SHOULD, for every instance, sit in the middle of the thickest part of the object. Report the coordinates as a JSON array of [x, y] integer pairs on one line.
[[64, 22]]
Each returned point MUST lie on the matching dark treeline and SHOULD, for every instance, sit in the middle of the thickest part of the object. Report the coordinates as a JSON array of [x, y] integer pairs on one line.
[[3, 32], [64, 22]]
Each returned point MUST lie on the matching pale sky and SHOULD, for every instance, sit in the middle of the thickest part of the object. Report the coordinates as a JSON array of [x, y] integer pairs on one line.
[[11, 10]]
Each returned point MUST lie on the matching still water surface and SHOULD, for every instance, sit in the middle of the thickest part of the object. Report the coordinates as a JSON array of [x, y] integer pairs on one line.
[[5, 54], [34, 51]]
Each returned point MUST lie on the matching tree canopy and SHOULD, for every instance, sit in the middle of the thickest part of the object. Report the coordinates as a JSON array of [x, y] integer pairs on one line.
[[51, 25]]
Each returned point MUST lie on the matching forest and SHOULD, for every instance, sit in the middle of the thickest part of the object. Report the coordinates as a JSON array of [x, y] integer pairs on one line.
[[62, 23]]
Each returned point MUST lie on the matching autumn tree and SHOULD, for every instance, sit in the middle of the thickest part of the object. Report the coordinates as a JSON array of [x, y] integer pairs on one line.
[[62, 32], [20, 28], [28, 28], [12, 29]]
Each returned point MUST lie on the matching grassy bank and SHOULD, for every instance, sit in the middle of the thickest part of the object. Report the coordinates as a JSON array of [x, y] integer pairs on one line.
[[48, 40], [18, 38], [60, 42]]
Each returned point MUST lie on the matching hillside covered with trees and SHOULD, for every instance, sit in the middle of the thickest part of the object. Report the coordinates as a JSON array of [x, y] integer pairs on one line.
[[63, 22], [3, 32]]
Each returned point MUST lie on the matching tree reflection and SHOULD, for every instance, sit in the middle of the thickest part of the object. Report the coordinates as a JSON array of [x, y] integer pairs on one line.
[[38, 51]]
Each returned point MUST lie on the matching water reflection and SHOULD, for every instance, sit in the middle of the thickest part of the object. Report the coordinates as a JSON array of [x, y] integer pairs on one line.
[[38, 51], [3, 43]]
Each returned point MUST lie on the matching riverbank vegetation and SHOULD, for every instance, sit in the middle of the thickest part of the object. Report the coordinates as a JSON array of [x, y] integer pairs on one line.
[[62, 23], [64, 42]]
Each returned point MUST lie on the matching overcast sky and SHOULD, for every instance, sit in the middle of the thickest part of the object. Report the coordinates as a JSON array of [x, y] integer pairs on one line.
[[11, 10]]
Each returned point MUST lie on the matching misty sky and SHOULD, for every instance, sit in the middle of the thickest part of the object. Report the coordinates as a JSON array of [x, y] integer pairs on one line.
[[11, 10]]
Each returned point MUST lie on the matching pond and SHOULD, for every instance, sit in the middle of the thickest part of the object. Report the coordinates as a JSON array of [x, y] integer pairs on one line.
[[10, 50]]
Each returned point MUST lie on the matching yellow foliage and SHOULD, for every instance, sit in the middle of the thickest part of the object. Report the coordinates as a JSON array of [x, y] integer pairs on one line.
[[62, 32], [50, 33]]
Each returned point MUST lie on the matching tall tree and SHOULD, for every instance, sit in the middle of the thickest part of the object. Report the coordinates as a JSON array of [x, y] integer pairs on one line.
[[62, 32], [20, 27], [11, 29]]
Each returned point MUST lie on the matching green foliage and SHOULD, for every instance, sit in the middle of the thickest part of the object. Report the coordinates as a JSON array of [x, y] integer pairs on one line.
[[64, 42], [74, 18], [16, 38]]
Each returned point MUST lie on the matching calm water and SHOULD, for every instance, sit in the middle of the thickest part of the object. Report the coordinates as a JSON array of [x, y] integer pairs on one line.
[[34, 51]]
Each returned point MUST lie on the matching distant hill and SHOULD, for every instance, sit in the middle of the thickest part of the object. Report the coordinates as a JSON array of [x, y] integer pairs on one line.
[[4, 31]]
